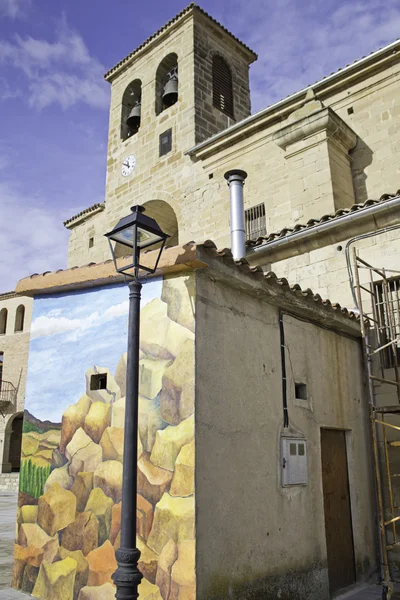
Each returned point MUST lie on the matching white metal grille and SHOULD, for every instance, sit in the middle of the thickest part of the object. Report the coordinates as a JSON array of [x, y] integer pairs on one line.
[[255, 222]]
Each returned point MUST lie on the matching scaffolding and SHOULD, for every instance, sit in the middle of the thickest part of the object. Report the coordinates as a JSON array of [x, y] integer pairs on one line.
[[378, 298]]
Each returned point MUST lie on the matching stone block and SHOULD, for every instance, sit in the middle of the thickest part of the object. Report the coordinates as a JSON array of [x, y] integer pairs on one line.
[[159, 335], [169, 443], [56, 509], [101, 506], [60, 476], [72, 419], [98, 592], [97, 419], [112, 443], [183, 480], [56, 581], [183, 574], [151, 371], [177, 394], [82, 568], [82, 487], [108, 477], [153, 481], [82, 534], [102, 564], [173, 519], [168, 556], [34, 545]]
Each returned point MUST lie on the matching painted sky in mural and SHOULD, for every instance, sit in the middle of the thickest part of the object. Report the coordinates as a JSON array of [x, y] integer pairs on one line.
[[70, 333]]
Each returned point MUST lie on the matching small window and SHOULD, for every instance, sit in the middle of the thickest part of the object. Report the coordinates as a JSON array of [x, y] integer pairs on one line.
[[91, 242], [300, 390], [166, 142], [294, 462], [19, 318], [98, 381], [222, 86], [3, 321], [255, 222]]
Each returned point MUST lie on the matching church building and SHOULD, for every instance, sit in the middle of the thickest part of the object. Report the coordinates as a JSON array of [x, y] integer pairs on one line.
[[319, 198]]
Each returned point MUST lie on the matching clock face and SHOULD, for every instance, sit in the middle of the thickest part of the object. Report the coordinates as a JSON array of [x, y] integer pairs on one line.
[[128, 165]]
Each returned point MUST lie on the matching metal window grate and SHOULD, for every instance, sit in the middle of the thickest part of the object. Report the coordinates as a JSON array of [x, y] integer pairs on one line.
[[222, 86], [387, 310], [255, 222]]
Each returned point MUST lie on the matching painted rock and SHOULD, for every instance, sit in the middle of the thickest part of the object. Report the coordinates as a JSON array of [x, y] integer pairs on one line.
[[112, 443], [168, 556], [108, 395], [144, 517], [169, 442], [82, 534], [183, 578], [183, 481], [98, 592], [34, 545], [151, 371], [97, 419], [56, 581], [152, 480], [56, 509], [173, 519], [60, 476], [150, 421], [180, 300], [159, 336], [82, 487], [108, 477], [102, 564], [177, 394], [101, 506], [72, 419], [115, 522], [82, 568]]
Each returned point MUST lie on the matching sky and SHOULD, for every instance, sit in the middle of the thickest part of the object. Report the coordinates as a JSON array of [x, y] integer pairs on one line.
[[71, 333], [54, 101]]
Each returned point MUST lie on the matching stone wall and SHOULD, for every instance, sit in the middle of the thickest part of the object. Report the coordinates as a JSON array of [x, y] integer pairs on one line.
[[9, 482], [15, 348], [292, 190]]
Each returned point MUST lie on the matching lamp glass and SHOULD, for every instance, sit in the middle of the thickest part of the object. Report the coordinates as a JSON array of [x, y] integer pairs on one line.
[[144, 238]]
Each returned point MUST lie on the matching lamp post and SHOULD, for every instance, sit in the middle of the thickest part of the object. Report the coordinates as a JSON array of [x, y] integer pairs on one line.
[[138, 232]]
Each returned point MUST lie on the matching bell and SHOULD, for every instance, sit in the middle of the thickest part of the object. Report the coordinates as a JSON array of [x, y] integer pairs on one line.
[[133, 121], [170, 95]]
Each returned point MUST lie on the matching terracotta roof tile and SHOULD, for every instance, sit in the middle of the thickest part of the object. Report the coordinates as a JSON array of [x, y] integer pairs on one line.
[[191, 7], [86, 211], [272, 279], [287, 231]]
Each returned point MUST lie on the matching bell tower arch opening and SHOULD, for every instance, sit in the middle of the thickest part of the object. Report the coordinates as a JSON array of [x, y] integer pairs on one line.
[[165, 216], [131, 109], [167, 83]]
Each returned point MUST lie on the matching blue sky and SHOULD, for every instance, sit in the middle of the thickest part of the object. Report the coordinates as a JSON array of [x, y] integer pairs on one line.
[[71, 333], [54, 102]]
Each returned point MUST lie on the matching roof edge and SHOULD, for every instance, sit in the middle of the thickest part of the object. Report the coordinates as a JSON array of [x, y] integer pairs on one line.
[[263, 116], [189, 9]]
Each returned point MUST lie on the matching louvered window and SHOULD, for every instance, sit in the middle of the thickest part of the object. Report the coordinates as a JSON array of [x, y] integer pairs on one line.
[[255, 222], [222, 86]]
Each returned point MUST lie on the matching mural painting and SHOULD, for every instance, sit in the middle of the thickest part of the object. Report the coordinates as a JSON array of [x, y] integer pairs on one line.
[[68, 523]]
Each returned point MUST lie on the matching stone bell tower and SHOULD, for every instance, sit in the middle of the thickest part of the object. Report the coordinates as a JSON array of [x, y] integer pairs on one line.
[[185, 83]]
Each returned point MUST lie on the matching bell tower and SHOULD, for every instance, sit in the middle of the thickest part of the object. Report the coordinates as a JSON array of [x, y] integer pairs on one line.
[[185, 83]]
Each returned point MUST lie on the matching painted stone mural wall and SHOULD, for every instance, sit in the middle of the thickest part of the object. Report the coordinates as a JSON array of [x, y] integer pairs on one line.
[[68, 523]]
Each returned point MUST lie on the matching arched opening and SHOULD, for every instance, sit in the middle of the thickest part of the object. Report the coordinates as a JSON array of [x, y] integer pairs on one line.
[[165, 216], [19, 318], [131, 109], [222, 86], [14, 427], [167, 83], [3, 321]]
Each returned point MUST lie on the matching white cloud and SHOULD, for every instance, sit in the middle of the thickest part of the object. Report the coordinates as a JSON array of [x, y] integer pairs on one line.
[[34, 242], [59, 72], [14, 9], [50, 324], [298, 43]]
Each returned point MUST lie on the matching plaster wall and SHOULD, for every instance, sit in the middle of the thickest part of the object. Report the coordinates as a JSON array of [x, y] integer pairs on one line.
[[255, 538]]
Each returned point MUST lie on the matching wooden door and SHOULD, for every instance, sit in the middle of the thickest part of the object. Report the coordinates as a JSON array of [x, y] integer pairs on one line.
[[338, 525]]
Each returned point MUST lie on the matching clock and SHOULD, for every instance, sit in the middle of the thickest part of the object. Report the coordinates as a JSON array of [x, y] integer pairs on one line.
[[128, 165]]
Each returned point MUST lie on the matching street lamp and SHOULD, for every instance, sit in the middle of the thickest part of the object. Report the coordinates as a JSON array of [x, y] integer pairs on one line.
[[138, 232]]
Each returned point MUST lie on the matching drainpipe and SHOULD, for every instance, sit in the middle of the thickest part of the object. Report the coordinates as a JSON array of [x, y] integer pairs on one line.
[[235, 179]]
